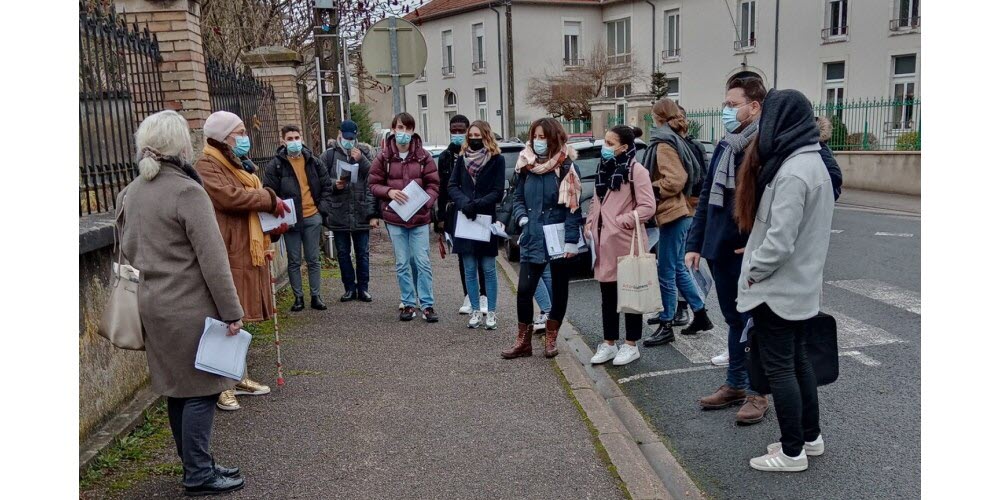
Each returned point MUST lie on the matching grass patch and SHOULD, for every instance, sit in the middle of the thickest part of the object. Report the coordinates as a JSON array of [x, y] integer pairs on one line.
[[133, 458]]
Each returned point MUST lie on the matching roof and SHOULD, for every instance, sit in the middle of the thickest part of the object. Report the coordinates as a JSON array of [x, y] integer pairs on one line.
[[436, 9]]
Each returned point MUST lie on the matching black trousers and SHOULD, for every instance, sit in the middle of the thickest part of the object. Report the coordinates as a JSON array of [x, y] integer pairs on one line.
[[482, 278], [191, 424], [527, 281], [609, 312], [793, 383]]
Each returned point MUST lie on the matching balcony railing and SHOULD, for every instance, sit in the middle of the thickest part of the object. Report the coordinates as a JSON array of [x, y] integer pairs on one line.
[[620, 58], [904, 23], [833, 33], [745, 45], [479, 67], [572, 62], [448, 70], [671, 55]]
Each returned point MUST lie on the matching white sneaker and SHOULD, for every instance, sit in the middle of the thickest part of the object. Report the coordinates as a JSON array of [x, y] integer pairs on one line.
[[466, 307], [626, 355], [540, 321], [812, 449], [491, 321], [604, 354], [475, 319], [483, 305], [721, 360], [777, 461], [402, 306]]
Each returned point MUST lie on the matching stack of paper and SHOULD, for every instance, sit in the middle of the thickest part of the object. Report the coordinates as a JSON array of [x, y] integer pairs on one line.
[[269, 222], [702, 279], [416, 198], [555, 240], [345, 169], [476, 230], [220, 353]]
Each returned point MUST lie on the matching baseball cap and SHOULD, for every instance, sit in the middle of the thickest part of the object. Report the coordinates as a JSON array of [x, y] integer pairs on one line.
[[349, 129]]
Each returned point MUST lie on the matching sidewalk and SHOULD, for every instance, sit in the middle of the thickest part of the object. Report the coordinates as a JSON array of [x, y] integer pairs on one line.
[[858, 198], [376, 408]]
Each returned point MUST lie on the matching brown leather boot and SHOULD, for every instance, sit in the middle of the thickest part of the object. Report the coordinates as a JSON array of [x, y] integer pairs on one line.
[[523, 345], [724, 397], [753, 410], [551, 332]]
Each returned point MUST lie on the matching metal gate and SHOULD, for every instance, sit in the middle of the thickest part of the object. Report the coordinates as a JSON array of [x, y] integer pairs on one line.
[[253, 100]]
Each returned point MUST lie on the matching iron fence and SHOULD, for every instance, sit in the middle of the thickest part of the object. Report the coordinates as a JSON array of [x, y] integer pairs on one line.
[[237, 91], [120, 85]]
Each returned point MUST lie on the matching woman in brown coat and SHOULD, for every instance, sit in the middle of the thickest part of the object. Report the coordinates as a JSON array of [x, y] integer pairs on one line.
[[238, 194], [169, 234]]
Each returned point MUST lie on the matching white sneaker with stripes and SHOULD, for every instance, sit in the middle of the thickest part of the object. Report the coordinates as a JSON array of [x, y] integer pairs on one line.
[[812, 448], [777, 461]]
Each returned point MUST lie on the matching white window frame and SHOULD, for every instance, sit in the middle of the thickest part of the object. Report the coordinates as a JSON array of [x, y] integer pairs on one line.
[[450, 92], [422, 103], [675, 96], [482, 107], [479, 48], [839, 33], [447, 53], [913, 16], [621, 51], [747, 28], [618, 91], [671, 55], [570, 59], [838, 86], [899, 122]]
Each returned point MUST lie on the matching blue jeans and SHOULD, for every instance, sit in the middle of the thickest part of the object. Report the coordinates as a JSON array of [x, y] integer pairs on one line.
[[543, 292], [304, 234], [489, 266], [411, 247], [673, 274], [726, 272], [355, 280]]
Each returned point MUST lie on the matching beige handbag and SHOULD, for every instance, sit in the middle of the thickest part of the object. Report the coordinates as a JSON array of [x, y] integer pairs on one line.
[[120, 323], [638, 284]]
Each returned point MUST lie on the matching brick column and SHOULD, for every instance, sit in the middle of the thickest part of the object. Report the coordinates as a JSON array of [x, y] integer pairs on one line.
[[278, 66], [177, 25]]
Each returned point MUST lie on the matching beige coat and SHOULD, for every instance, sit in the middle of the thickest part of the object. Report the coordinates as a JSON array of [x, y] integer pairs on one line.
[[171, 237], [615, 232], [234, 205], [668, 183]]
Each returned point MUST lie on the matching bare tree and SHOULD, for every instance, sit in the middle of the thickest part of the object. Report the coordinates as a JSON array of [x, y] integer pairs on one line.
[[568, 93]]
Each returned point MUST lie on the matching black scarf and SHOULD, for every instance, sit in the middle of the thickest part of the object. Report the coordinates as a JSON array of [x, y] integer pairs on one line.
[[184, 166], [787, 123], [611, 173]]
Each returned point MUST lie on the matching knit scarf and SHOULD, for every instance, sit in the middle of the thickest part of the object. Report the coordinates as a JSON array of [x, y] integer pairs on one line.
[[258, 240], [569, 188], [475, 160], [611, 173], [725, 171]]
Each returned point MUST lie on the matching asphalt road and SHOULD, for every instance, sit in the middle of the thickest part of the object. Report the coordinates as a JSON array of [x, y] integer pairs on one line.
[[870, 417]]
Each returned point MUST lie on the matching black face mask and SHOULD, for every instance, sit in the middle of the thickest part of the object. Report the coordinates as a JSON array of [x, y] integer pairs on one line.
[[476, 144]]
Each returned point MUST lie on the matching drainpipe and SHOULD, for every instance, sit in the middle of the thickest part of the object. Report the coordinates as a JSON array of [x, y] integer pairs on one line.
[[653, 8], [503, 115], [777, 10]]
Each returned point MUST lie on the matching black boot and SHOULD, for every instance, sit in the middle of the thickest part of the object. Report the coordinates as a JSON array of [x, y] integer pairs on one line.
[[681, 317], [701, 323], [317, 303], [349, 296], [215, 486], [222, 470], [663, 335], [654, 321], [299, 304]]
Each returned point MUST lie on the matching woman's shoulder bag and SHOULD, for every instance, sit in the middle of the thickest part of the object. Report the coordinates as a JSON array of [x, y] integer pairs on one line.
[[120, 322]]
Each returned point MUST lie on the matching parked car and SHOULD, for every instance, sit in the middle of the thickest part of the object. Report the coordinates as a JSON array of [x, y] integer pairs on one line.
[[709, 149]]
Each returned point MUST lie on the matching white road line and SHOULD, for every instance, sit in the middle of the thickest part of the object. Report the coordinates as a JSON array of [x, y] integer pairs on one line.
[[667, 372], [836, 231], [861, 358], [900, 235], [852, 333], [882, 292]]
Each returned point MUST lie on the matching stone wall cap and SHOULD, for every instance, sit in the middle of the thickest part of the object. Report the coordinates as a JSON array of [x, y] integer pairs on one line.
[[272, 56], [96, 232]]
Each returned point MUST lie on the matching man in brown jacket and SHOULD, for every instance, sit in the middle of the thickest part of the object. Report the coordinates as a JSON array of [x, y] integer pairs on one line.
[[237, 195]]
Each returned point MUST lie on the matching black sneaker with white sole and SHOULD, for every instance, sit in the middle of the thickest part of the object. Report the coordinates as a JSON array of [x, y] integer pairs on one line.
[[408, 313], [430, 316]]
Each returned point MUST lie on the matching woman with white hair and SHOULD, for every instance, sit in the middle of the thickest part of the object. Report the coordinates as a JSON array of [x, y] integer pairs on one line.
[[169, 234]]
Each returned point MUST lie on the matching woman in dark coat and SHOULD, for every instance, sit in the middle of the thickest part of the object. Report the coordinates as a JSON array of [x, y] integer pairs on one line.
[[476, 186]]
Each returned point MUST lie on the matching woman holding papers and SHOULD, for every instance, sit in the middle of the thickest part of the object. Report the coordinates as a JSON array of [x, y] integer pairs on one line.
[[170, 235], [547, 207], [623, 195], [476, 186], [404, 169]]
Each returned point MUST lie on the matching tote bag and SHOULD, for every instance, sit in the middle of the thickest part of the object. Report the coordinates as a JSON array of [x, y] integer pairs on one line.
[[638, 285], [120, 322]]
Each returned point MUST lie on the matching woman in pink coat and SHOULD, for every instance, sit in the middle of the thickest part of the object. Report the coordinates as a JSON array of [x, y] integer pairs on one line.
[[622, 191]]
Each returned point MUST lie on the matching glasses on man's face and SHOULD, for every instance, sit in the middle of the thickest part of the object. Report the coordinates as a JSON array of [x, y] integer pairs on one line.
[[727, 104]]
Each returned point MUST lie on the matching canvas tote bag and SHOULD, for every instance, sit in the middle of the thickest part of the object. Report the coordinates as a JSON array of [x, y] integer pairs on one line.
[[638, 285], [120, 323]]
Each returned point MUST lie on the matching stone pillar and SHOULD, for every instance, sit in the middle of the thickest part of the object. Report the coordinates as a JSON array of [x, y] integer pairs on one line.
[[177, 25], [279, 67]]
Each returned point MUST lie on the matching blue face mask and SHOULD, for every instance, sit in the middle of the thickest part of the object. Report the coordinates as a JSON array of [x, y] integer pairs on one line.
[[294, 147], [607, 153], [402, 138], [242, 146], [729, 119], [540, 147], [458, 139], [346, 144]]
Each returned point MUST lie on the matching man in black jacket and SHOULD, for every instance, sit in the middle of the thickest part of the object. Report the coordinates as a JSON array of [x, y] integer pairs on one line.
[[295, 173]]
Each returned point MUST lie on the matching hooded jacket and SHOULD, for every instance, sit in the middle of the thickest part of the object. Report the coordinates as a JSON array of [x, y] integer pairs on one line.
[[389, 172], [351, 208]]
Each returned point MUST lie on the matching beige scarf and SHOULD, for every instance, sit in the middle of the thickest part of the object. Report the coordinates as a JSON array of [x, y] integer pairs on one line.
[[259, 242], [569, 188]]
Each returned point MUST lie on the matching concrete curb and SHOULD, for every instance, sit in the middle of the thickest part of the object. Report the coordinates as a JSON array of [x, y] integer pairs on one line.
[[643, 462], [118, 427]]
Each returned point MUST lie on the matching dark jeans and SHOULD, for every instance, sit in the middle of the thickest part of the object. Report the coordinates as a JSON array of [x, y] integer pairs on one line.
[[191, 424], [790, 374], [482, 278], [609, 312], [355, 279], [726, 273], [527, 282], [305, 233]]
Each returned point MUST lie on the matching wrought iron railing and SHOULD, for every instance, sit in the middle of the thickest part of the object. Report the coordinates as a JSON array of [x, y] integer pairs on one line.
[[745, 45], [572, 61], [479, 67], [237, 91], [833, 32], [448, 70], [671, 54], [904, 23]]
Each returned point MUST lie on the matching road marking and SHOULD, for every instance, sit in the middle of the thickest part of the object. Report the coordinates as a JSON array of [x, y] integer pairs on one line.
[[882, 292], [852, 334], [900, 235], [583, 280], [667, 372], [836, 231], [862, 358], [701, 348]]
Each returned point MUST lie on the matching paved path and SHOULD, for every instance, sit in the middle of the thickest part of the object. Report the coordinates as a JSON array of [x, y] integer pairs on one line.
[[376, 408]]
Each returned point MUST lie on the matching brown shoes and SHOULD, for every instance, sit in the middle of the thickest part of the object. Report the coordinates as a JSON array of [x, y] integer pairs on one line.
[[523, 345], [753, 410], [725, 397], [551, 333]]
